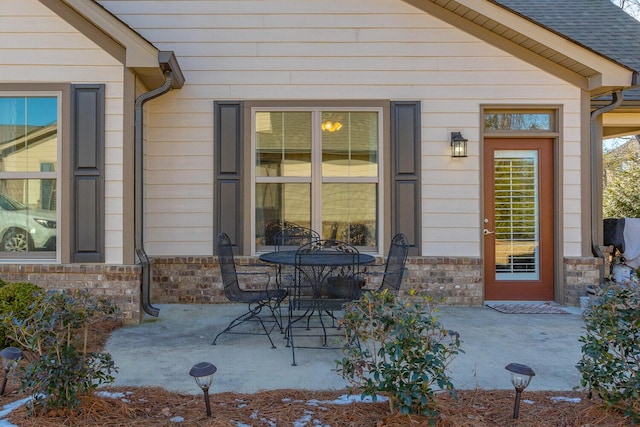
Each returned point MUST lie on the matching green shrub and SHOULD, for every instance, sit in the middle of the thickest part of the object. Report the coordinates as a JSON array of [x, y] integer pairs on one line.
[[610, 363], [57, 332], [397, 348], [16, 298]]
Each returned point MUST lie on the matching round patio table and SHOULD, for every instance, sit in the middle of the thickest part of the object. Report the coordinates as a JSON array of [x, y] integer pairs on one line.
[[329, 259], [317, 268]]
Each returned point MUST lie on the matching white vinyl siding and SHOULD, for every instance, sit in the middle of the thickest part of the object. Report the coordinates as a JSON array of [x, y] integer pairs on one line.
[[333, 50], [38, 46]]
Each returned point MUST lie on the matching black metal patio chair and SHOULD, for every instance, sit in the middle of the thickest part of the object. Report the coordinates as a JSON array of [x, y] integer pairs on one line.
[[394, 270], [293, 236], [256, 299], [326, 278]]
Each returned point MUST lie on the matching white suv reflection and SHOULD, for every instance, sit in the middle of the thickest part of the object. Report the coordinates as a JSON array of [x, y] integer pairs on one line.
[[25, 229]]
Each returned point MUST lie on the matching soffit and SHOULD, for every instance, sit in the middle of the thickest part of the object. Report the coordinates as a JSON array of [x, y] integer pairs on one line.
[[533, 43], [621, 122]]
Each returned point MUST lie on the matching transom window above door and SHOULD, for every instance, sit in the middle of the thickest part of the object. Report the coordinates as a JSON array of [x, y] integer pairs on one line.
[[317, 168]]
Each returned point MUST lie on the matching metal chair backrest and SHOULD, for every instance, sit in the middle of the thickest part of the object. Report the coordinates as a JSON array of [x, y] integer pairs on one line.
[[319, 260], [396, 260], [228, 268], [294, 236]]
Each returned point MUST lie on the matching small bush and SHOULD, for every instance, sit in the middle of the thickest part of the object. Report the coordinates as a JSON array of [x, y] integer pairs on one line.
[[610, 363], [16, 298], [57, 332], [398, 348]]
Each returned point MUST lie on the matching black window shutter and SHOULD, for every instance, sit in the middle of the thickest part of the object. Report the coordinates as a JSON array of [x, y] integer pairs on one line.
[[228, 142], [405, 171], [87, 153]]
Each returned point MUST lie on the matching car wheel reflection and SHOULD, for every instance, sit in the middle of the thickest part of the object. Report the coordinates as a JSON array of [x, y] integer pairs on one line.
[[25, 229], [16, 240]]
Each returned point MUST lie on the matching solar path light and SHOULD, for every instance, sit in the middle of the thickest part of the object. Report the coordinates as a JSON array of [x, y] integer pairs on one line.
[[203, 374], [10, 357], [520, 378]]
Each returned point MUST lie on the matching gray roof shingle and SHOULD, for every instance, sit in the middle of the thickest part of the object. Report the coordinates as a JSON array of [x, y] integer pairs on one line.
[[598, 25]]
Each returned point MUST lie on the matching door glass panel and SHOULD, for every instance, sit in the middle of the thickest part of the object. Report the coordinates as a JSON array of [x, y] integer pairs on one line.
[[516, 215]]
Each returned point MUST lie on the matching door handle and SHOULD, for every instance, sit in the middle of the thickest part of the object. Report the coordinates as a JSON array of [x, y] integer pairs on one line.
[[487, 232]]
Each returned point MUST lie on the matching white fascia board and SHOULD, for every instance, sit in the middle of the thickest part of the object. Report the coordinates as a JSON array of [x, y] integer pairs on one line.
[[140, 53], [611, 73]]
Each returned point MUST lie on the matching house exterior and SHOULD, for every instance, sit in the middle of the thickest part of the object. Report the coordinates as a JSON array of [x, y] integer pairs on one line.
[[147, 127]]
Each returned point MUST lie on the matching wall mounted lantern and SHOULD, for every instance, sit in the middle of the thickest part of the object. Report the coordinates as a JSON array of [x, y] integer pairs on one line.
[[458, 145], [10, 357], [520, 378], [203, 374]]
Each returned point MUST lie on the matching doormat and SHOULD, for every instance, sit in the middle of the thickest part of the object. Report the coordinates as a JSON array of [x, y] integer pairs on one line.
[[511, 308]]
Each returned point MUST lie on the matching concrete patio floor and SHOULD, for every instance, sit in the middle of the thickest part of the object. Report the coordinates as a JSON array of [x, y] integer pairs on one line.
[[161, 351]]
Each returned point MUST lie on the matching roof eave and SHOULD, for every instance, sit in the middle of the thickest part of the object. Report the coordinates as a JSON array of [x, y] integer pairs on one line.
[[154, 76], [118, 39], [598, 74]]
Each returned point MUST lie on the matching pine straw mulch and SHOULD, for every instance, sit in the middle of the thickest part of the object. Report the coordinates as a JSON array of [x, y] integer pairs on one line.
[[156, 407], [147, 407]]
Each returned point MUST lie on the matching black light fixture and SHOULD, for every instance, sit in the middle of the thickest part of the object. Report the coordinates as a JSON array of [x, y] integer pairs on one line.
[[203, 374], [10, 357], [458, 145], [520, 378]]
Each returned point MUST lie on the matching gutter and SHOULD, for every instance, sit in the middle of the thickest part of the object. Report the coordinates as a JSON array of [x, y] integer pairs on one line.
[[173, 78], [596, 153]]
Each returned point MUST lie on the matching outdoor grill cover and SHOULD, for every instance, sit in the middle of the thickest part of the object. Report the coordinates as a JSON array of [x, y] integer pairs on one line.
[[624, 235], [614, 233]]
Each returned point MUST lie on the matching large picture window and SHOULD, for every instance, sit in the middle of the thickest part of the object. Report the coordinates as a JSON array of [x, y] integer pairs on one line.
[[28, 175], [317, 168]]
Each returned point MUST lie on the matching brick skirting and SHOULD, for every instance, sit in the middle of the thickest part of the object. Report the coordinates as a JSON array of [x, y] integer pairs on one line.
[[580, 272], [196, 280], [191, 280], [458, 280], [122, 283]]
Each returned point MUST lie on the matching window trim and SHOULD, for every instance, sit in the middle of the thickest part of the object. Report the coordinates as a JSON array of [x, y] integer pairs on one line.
[[30, 91], [316, 109]]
